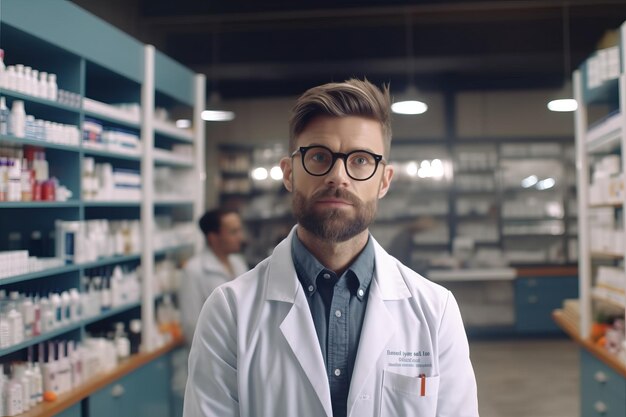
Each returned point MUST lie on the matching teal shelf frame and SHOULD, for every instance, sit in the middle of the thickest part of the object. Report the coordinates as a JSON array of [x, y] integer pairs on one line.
[[12, 140], [32, 99]]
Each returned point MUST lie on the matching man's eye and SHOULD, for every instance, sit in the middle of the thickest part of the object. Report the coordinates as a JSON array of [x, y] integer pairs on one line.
[[361, 159], [319, 157]]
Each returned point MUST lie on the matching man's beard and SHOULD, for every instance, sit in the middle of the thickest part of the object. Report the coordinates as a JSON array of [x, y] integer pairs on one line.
[[333, 225]]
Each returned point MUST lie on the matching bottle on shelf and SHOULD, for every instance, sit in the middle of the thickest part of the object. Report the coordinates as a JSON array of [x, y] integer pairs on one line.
[[17, 121], [2, 70], [4, 117], [52, 87]]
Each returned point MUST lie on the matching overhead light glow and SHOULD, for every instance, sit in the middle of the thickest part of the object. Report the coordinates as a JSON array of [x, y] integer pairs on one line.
[[563, 105], [409, 107], [183, 123], [259, 174], [529, 181], [437, 168], [217, 115], [546, 184], [276, 173], [411, 169]]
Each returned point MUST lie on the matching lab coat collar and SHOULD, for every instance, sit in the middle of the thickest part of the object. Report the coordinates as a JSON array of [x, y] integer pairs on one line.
[[283, 281]]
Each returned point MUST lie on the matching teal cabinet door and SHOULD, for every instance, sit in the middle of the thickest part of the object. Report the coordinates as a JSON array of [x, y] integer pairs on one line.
[[602, 390], [536, 298], [73, 411], [144, 392]]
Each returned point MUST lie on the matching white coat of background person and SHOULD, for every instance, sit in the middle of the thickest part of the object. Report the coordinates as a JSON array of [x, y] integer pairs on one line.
[[257, 350], [219, 262]]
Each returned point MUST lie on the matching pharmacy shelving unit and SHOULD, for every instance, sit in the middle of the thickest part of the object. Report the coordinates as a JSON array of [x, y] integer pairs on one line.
[[600, 89], [479, 197], [102, 65]]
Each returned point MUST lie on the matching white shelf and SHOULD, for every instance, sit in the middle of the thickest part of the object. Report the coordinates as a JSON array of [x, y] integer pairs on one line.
[[605, 136], [170, 129], [107, 112]]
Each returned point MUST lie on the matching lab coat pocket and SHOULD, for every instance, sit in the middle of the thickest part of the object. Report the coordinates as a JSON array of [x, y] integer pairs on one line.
[[404, 395]]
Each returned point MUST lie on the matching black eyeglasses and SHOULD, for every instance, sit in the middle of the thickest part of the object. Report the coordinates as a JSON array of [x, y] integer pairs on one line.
[[319, 160]]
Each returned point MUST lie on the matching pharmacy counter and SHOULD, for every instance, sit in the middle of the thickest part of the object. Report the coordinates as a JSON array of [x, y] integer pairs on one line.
[[105, 393], [509, 301], [483, 274], [602, 375]]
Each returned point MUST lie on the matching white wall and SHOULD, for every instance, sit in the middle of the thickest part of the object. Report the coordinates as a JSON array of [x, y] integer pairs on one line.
[[510, 114]]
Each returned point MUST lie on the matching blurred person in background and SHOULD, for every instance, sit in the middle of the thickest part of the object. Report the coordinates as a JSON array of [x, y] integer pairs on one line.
[[219, 262]]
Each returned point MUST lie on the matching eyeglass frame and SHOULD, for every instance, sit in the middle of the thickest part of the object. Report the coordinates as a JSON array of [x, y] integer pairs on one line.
[[378, 159]]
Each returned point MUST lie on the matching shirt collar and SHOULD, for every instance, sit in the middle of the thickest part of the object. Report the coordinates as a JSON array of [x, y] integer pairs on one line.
[[308, 268]]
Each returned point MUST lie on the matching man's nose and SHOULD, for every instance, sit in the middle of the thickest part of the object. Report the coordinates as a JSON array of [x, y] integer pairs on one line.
[[338, 173]]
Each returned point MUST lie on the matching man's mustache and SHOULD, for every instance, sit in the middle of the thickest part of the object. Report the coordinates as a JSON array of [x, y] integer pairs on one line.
[[339, 193]]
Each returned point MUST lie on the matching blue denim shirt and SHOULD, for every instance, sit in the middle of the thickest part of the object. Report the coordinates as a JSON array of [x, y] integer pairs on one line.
[[338, 308]]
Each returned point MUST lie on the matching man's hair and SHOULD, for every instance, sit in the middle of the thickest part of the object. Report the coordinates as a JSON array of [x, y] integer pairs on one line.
[[352, 97], [211, 221]]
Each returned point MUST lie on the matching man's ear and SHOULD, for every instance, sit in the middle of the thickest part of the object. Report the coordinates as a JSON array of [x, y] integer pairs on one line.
[[285, 165], [385, 182]]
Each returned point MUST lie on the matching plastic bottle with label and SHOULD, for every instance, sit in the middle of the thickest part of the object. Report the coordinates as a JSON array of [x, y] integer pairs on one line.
[[17, 120], [4, 116]]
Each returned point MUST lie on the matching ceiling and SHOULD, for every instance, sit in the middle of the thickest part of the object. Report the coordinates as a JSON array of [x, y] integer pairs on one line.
[[250, 49]]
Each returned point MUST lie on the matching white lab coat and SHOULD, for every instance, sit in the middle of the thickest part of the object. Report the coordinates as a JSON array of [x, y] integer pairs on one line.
[[202, 274], [255, 352]]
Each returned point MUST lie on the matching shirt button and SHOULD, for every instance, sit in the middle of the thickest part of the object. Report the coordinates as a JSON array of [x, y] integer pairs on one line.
[[360, 292], [338, 313], [327, 276], [337, 372], [311, 288]]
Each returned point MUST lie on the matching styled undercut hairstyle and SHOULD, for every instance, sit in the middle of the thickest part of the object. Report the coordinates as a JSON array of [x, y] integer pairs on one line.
[[352, 97]]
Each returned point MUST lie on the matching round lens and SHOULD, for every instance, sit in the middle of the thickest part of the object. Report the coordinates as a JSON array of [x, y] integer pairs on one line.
[[361, 165], [317, 160]]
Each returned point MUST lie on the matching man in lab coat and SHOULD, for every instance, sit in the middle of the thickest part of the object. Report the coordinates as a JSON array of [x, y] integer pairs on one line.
[[219, 262], [330, 324]]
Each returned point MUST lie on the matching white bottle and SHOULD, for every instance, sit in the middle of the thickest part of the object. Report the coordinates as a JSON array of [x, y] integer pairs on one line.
[[122, 344], [36, 387], [19, 78], [2, 72], [117, 281], [37, 314], [43, 85], [17, 120], [16, 326], [75, 305], [10, 78], [52, 87], [14, 398], [5, 336], [47, 315], [49, 372], [4, 117], [55, 302], [76, 364], [28, 313], [27, 80], [96, 293], [3, 387], [64, 373], [33, 83], [19, 371], [66, 312], [105, 294]]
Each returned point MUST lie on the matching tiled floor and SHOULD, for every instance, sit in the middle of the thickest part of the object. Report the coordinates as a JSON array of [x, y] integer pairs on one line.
[[527, 378]]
